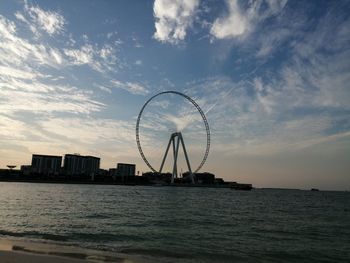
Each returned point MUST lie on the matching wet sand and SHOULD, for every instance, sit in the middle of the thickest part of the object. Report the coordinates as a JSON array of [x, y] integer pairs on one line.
[[14, 251], [22, 257]]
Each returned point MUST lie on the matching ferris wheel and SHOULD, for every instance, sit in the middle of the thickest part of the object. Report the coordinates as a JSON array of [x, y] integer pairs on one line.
[[176, 138]]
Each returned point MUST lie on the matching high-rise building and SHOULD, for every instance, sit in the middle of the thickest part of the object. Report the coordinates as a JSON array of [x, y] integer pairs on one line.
[[126, 169], [92, 165], [46, 164], [75, 164]]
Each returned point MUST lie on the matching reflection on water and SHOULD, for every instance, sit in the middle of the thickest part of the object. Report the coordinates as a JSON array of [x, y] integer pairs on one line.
[[172, 223]]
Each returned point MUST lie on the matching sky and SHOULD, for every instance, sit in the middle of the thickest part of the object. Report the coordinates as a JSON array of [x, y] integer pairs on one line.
[[272, 78]]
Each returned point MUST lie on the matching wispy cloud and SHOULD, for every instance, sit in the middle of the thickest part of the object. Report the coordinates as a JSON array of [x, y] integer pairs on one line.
[[173, 17], [98, 59], [107, 138], [239, 21], [137, 42], [84, 55], [44, 105], [138, 62], [22, 53], [103, 88], [297, 107], [132, 87], [40, 20], [23, 85], [36, 89], [16, 73], [34, 96]]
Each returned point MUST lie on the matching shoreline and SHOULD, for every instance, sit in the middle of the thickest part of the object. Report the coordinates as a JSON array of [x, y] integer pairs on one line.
[[27, 251], [112, 183], [166, 185]]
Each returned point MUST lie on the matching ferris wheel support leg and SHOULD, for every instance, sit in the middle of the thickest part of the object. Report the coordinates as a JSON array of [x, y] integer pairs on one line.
[[174, 154], [165, 155], [174, 175], [187, 159]]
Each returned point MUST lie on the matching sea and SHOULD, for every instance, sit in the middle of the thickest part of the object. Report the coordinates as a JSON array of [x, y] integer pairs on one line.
[[181, 224]]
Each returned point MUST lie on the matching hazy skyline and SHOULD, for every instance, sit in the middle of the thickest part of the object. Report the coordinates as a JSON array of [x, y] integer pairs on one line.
[[272, 76]]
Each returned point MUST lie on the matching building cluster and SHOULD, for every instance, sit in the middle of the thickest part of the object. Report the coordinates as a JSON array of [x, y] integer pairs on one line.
[[74, 167], [79, 168], [87, 168]]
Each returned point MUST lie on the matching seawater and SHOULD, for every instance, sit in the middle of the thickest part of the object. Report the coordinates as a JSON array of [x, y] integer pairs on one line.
[[175, 224]]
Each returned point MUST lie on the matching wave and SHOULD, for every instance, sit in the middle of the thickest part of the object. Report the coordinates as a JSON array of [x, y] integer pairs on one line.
[[97, 237], [155, 253], [34, 234]]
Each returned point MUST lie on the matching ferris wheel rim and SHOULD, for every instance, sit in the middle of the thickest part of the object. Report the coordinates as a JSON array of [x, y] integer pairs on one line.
[[143, 156]]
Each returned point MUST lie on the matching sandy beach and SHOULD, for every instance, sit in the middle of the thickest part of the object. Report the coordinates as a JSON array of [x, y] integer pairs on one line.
[[17, 251], [22, 257]]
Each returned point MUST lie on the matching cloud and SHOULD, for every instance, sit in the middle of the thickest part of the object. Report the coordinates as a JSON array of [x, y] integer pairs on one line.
[[180, 122], [21, 53], [39, 20], [270, 39], [16, 49], [24, 87], [100, 59], [103, 88], [48, 21], [301, 102], [90, 131], [41, 93], [164, 104], [240, 21], [16, 73], [84, 55], [173, 17], [234, 24], [304, 103], [107, 138], [136, 41], [138, 62], [17, 96], [132, 87]]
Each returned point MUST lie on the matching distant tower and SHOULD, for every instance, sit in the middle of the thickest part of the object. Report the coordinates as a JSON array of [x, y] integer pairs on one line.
[[175, 140]]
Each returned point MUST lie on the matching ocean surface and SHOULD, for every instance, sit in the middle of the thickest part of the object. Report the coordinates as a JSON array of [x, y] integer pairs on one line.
[[173, 224]]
